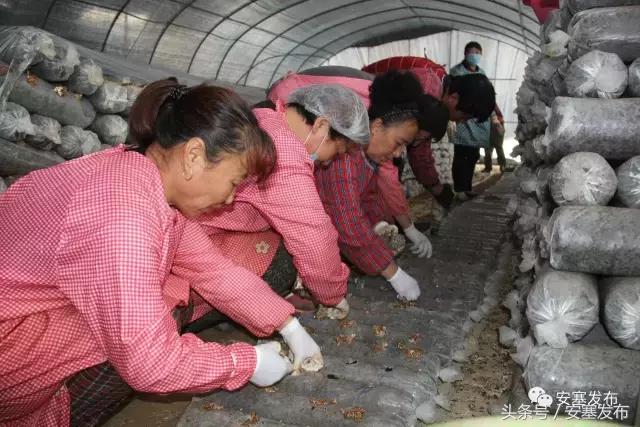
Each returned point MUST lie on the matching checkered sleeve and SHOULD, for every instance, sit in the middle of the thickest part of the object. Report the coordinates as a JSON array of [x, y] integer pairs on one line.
[[108, 263], [228, 287], [339, 191], [422, 164], [391, 190]]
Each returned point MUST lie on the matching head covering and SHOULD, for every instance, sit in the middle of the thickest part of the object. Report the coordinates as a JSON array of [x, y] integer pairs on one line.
[[341, 106]]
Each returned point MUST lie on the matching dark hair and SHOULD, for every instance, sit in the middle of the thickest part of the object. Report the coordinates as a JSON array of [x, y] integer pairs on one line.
[[472, 45], [169, 114], [310, 118], [394, 97], [476, 94], [264, 104], [433, 116]]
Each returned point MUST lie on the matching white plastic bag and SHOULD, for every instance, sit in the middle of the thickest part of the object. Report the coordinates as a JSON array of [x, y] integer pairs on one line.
[[562, 307], [110, 98], [629, 183], [111, 129], [583, 179], [621, 309], [597, 75], [15, 123], [61, 66], [46, 133]]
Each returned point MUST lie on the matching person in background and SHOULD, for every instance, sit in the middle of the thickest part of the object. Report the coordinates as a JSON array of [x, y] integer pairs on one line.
[[497, 139], [87, 252], [471, 135], [316, 124]]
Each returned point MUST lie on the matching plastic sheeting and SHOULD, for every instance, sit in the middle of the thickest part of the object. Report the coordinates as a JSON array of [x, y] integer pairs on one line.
[[111, 129], [634, 78], [595, 239], [76, 142], [621, 309], [15, 123], [562, 307], [110, 98], [583, 179], [629, 183], [20, 159], [576, 6], [608, 127], [597, 75], [586, 368], [612, 30], [86, 78], [61, 66]]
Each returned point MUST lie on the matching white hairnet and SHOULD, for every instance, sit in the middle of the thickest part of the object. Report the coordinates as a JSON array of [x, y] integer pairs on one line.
[[341, 106]]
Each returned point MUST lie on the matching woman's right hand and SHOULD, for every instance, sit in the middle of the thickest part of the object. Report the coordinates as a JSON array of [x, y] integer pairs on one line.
[[271, 367]]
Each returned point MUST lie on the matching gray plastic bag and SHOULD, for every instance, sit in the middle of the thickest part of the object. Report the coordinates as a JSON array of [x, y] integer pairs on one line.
[[40, 97], [60, 68], [86, 78], [76, 142], [613, 29], [110, 98], [20, 159], [576, 6], [634, 78], [562, 307], [597, 75], [46, 133], [595, 239], [629, 183], [586, 369], [132, 95], [111, 129], [583, 179], [15, 123], [621, 309], [608, 127]]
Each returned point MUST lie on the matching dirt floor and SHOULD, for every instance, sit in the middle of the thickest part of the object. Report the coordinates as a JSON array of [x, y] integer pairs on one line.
[[472, 395]]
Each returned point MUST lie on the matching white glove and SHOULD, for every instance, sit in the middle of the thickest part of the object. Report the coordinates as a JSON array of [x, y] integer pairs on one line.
[[306, 353], [383, 228], [270, 366], [338, 312], [405, 285], [421, 244]]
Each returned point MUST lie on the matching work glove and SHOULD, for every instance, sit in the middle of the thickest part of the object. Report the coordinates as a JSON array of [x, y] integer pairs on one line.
[[389, 233], [271, 367], [421, 244], [405, 285], [306, 353], [338, 312]]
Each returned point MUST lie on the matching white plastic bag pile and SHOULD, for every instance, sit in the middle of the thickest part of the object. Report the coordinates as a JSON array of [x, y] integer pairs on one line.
[[50, 96], [577, 211]]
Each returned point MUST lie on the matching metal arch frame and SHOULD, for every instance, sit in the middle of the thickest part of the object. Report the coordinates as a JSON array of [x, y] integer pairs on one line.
[[251, 66], [264, 18], [166, 27], [269, 58], [400, 19], [208, 33], [113, 23], [371, 26]]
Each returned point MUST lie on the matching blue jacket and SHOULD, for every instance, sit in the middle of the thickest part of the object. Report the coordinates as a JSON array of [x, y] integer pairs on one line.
[[471, 133]]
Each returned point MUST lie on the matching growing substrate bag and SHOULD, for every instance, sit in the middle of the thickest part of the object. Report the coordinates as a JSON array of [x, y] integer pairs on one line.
[[40, 97], [621, 309], [612, 29], [629, 183], [76, 142], [583, 179], [20, 159], [587, 369], [597, 75], [15, 123], [608, 127], [595, 239], [111, 129], [46, 133], [110, 98], [634, 78], [562, 307], [86, 78], [61, 66]]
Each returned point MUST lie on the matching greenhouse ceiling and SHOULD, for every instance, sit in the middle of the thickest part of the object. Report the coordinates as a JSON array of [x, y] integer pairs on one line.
[[255, 42]]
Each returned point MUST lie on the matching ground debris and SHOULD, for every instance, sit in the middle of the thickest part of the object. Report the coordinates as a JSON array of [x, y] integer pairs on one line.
[[212, 406], [61, 91], [345, 339], [272, 389], [380, 346], [253, 420], [347, 324], [318, 403], [379, 330], [355, 414], [403, 304]]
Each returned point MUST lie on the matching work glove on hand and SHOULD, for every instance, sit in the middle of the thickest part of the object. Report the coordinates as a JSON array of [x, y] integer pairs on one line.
[[270, 366], [306, 353], [405, 285], [421, 244], [338, 312]]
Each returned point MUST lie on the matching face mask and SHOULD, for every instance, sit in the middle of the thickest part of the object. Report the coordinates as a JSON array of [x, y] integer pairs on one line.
[[314, 155], [473, 59]]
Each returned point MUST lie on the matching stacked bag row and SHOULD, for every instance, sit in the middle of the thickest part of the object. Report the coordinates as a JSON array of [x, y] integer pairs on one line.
[[578, 206], [55, 105]]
